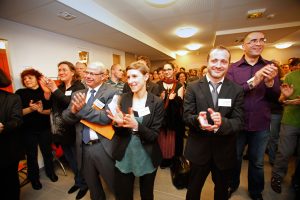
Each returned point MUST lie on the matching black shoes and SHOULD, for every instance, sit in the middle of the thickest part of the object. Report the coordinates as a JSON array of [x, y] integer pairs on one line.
[[36, 184], [81, 193], [276, 183], [73, 189], [256, 197], [53, 177], [230, 191]]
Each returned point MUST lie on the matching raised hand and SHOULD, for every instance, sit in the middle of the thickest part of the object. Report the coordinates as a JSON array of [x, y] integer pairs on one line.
[[77, 102], [129, 120], [118, 118]]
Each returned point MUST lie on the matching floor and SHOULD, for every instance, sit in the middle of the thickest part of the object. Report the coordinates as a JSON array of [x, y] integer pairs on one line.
[[164, 190]]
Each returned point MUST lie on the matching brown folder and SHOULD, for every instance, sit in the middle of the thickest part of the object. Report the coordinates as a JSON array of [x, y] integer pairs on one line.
[[104, 130]]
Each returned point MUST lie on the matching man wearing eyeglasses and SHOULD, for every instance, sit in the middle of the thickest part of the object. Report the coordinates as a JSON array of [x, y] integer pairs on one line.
[[260, 82], [94, 152]]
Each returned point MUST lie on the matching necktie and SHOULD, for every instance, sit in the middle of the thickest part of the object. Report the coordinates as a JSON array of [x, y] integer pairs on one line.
[[214, 92], [86, 130]]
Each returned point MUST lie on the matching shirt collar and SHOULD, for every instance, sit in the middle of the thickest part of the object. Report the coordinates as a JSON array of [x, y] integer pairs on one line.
[[244, 61], [208, 79], [96, 89]]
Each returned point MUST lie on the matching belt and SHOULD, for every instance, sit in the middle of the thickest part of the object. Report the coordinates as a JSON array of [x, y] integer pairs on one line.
[[91, 142]]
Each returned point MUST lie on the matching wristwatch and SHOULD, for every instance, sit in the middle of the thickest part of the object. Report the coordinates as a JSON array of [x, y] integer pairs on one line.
[[250, 83]]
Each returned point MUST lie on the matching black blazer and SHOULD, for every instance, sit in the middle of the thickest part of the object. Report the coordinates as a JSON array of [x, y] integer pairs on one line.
[[148, 130], [203, 146], [11, 118]]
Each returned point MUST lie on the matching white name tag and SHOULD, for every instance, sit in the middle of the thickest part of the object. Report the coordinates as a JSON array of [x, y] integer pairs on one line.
[[97, 103], [224, 102], [144, 111], [68, 93]]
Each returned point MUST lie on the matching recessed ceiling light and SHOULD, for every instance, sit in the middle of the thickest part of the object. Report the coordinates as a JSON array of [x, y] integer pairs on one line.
[[181, 52], [194, 46], [160, 3], [283, 45], [65, 15], [186, 32]]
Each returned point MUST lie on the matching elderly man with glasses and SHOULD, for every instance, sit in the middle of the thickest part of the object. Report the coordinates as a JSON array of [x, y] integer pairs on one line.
[[94, 152], [259, 79]]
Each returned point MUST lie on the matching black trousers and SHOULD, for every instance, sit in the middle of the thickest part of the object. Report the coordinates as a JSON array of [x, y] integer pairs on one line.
[[124, 184], [197, 179], [32, 140], [10, 189]]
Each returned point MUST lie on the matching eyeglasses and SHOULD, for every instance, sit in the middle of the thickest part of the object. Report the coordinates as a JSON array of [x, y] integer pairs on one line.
[[254, 41], [91, 73], [169, 69]]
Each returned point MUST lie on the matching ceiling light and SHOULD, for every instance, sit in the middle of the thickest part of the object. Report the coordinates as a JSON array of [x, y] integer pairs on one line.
[[160, 3], [240, 47], [186, 32], [181, 52], [283, 45], [65, 15], [257, 13], [194, 46]]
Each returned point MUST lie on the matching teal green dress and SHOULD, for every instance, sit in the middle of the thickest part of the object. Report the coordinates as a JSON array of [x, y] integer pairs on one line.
[[136, 160]]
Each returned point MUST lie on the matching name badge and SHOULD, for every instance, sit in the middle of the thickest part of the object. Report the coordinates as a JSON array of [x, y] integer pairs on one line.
[[224, 102], [68, 93], [98, 104], [144, 111]]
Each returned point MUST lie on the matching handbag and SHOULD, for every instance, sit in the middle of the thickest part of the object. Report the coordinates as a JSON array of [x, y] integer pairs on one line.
[[180, 172]]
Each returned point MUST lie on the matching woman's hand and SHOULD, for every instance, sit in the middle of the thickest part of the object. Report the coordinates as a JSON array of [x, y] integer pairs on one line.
[[129, 120], [118, 118]]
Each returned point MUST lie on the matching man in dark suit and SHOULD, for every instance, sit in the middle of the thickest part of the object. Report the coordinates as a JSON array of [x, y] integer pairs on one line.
[[94, 152], [10, 121], [211, 144]]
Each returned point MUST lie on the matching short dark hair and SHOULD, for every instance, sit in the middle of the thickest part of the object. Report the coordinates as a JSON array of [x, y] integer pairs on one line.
[[219, 48], [32, 72], [295, 62]]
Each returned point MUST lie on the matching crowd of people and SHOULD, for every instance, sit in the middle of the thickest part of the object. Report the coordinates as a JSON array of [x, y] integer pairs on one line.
[[220, 108]]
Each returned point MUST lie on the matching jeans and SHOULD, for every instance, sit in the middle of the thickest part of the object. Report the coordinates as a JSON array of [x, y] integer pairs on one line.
[[289, 142], [257, 143], [69, 153], [274, 136]]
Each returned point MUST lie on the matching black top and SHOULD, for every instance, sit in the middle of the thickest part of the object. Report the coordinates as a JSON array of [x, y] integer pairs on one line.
[[34, 121], [60, 99]]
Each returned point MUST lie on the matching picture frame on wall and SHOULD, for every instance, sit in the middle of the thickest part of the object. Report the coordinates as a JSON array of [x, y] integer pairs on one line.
[[83, 56]]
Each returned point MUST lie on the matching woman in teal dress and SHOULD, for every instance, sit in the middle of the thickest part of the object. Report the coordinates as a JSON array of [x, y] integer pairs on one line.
[[137, 122]]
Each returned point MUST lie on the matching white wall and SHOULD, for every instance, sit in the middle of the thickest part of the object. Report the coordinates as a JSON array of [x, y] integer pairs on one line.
[[43, 50]]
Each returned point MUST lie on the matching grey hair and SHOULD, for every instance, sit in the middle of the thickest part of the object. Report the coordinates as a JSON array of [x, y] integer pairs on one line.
[[97, 66]]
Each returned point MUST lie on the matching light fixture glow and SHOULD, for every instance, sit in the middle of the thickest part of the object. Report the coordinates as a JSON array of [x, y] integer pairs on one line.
[[160, 3], [2, 44], [186, 32], [194, 46], [283, 45], [240, 47], [181, 52]]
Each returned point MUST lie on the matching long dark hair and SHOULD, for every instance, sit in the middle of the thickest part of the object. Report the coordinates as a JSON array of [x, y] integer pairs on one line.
[[4, 80]]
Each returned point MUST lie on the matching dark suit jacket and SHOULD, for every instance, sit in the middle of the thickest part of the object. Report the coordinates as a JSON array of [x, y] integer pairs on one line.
[[11, 118], [203, 146], [150, 86], [105, 95], [148, 130]]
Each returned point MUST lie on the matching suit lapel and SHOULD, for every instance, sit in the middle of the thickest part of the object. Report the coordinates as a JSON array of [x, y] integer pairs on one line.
[[149, 103], [224, 92]]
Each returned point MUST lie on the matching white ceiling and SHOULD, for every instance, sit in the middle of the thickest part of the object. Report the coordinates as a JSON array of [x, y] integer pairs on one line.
[[136, 27]]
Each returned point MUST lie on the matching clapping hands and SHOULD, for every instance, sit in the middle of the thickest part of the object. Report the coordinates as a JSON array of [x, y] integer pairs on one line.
[[215, 116]]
